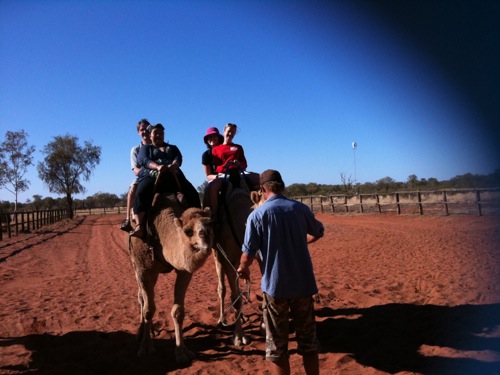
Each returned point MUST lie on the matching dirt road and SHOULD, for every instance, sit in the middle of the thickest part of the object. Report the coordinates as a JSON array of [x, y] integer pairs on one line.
[[398, 294]]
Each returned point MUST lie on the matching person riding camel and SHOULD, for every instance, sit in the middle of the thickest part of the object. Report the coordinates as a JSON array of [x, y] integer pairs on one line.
[[226, 157], [160, 173]]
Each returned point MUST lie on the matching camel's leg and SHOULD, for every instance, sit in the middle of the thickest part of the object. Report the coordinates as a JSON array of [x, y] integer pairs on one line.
[[239, 337], [182, 354], [221, 289], [146, 296], [141, 307]]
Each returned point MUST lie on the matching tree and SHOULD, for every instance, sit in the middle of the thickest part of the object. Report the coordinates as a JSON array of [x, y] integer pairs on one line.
[[66, 163], [15, 158], [123, 198], [105, 200], [432, 182], [37, 202], [312, 188], [296, 190], [5, 206], [346, 182], [384, 184], [412, 181]]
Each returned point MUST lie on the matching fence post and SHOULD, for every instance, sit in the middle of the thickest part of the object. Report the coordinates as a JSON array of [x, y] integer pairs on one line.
[[332, 203], [378, 203], [445, 202], [420, 207], [397, 204], [22, 222], [9, 229], [345, 204], [16, 221], [478, 203], [360, 203]]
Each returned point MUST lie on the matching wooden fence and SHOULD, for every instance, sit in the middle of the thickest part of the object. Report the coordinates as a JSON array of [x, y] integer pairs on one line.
[[446, 202], [101, 211], [23, 222], [12, 224]]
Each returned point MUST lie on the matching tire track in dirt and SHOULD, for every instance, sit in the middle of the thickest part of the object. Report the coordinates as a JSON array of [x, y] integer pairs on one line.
[[70, 278], [110, 275], [12, 247]]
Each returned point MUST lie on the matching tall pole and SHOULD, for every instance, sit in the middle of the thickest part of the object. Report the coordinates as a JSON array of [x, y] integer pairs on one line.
[[354, 145]]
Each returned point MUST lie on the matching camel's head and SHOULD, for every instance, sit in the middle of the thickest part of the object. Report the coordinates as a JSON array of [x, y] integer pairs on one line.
[[197, 231]]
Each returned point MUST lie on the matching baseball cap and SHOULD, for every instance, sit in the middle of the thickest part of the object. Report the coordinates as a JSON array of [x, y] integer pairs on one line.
[[157, 126], [270, 175]]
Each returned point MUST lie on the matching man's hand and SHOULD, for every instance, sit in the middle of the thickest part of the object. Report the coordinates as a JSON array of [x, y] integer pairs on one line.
[[243, 269], [243, 272]]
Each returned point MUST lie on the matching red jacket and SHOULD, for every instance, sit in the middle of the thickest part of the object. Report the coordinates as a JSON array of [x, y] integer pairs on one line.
[[222, 154]]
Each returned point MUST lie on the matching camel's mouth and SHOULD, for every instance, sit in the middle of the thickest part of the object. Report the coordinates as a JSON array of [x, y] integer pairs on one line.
[[201, 249]]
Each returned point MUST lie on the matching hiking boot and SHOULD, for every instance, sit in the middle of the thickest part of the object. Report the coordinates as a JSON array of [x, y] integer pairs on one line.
[[126, 226]]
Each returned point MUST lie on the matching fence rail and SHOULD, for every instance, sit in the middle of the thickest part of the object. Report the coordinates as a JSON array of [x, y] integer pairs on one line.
[[462, 201], [101, 211], [14, 223]]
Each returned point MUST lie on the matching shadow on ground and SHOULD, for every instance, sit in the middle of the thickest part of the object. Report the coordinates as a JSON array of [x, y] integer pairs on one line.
[[390, 337], [387, 337]]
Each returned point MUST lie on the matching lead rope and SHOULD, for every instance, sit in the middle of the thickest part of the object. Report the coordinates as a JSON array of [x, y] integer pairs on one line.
[[244, 295]]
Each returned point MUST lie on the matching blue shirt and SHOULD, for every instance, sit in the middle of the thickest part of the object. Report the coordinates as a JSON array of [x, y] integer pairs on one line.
[[134, 152], [149, 153], [279, 228]]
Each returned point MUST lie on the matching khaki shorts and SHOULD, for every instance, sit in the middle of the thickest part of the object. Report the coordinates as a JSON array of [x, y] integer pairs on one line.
[[276, 317]]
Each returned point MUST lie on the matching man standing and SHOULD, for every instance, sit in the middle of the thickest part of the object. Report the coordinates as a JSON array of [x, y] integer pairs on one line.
[[281, 229], [142, 130]]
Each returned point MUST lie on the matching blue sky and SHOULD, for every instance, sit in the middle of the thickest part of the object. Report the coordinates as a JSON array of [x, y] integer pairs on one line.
[[413, 84]]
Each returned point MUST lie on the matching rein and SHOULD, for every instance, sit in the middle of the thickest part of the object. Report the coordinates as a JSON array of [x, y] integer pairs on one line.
[[226, 207], [244, 295]]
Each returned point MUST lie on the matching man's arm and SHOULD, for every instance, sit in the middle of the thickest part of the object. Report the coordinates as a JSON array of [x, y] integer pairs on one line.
[[311, 239], [245, 262]]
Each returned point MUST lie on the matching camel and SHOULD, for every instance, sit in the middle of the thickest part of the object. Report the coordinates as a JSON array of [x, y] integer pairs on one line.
[[257, 199], [229, 235], [180, 239]]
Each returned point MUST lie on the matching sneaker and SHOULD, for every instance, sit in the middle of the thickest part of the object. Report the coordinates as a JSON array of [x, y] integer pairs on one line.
[[126, 226]]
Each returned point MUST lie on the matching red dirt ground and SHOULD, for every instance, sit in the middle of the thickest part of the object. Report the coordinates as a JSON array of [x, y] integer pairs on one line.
[[398, 294]]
